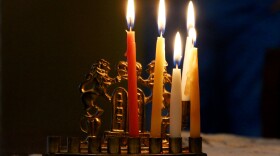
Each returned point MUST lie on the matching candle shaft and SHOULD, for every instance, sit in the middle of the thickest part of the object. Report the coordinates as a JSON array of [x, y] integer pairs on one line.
[[157, 98], [194, 97], [176, 104], [186, 68], [132, 85]]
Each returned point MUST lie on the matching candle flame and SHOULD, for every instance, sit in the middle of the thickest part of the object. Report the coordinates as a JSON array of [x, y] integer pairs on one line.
[[192, 34], [130, 14], [190, 16], [161, 17], [177, 49]]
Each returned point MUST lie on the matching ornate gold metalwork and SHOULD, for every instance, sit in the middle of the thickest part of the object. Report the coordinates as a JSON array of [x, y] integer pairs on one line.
[[96, 85], [119, 117]]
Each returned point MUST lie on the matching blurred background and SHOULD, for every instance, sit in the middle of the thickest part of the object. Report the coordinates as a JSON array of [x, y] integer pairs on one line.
[[47, 47]]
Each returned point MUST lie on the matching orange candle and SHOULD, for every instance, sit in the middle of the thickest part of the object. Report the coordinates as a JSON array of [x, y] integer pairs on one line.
[[158, 76], [194, 97], [132, 78]]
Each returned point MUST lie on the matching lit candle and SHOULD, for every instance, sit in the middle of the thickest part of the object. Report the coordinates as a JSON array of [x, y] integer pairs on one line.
[[192, 34], [194, 97], [188, 48], [192, 79], [158, 76], [186, 68], [176, 95], [132, 78]]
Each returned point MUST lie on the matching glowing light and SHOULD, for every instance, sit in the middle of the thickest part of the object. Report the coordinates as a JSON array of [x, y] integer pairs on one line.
[[192, 34], [161, 17], [130, 14], [177, 49], [190, 16]]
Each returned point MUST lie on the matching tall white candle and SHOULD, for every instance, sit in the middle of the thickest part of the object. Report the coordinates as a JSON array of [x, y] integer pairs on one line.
[[192, 86], [176, 95], [188, 48]]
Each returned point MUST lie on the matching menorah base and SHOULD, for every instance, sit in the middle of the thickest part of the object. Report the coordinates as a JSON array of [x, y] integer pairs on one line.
[[113, 146], [79, 154]]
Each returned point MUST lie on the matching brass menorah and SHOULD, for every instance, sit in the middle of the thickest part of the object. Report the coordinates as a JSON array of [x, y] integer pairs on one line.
[[116, 140]]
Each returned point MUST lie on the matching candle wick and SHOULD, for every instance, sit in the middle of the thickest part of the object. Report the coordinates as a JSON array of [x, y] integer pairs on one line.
[[160, 33], [176, 66], [130, 29]]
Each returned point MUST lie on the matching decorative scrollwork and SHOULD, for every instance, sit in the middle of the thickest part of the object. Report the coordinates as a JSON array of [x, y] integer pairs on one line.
[[96, 84]]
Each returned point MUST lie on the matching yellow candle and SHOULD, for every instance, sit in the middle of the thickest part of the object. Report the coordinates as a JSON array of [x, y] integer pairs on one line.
[[158, 89], [158, 76], [194, 97]]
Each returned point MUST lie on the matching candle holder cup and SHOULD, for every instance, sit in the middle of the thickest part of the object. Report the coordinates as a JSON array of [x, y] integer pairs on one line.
[[175, 145], [94, 145], [155, 145], [53, 144], [73, 144], [195, 145], [113, 145], [133, 145]]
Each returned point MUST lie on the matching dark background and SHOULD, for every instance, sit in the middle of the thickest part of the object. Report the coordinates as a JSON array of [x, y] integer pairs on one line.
[[48, 46]]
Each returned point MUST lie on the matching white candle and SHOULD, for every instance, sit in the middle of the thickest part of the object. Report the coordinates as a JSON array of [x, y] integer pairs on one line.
[[176, 95], [188, 48], [192, 84]]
